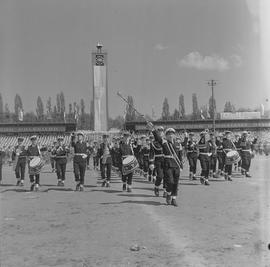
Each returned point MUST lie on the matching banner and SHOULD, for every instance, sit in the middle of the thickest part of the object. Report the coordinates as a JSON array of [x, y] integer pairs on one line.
[[240, 115]]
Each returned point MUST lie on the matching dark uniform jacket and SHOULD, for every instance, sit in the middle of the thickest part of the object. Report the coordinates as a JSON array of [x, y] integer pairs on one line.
[[101, 152], [171, 158], [125, 149], [244, 145], [227, 145], [2, 155], [192, 149], [115, 156], [23, 154], [204, 147], [156, 152], [33, 151], [60, 153], [144, 152], [213, 148], [79, 148], [219, 147]]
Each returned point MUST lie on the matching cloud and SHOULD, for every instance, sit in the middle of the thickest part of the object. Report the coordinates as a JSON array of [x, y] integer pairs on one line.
[[160, 47], [254, 10], [236, 61], [197, 61]]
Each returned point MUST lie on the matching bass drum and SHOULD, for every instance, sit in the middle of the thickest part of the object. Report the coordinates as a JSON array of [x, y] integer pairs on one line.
[[130, 164], [232, 157], [35, 165]]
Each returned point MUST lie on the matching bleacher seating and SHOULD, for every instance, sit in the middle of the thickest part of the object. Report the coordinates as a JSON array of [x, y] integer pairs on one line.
[[43, 140]]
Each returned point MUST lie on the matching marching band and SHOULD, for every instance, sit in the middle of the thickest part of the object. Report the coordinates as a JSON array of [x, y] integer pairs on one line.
[[159, 157]]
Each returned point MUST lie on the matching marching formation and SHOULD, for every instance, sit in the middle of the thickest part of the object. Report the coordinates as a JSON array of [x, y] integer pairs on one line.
[[159, 156]]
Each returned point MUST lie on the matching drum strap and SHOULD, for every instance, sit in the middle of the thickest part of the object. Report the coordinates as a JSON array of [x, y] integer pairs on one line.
[[168, 157], [131, 149], [208, 154]]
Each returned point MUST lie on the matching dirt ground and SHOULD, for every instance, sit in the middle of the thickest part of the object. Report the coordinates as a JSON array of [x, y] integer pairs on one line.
[[225, 224]]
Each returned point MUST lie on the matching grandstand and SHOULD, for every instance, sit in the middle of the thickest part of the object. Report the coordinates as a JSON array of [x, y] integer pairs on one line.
[[198, 125], [46, 132], [43, 140]]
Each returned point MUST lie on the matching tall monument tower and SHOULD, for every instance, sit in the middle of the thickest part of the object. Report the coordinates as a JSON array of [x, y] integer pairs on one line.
[[100, 89]]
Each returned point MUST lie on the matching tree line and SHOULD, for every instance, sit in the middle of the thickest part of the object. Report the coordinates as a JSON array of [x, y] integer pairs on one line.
[[75, 112], [207, 111]]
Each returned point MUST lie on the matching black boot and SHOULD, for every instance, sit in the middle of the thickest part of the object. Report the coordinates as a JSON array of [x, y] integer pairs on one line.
[[174, 202], [77, 187], [168, 199], [32, 187], [156, 191]]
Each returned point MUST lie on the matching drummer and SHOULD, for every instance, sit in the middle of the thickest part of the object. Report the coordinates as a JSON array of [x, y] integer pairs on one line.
[[228, 146], [125, 150], [33, 151]]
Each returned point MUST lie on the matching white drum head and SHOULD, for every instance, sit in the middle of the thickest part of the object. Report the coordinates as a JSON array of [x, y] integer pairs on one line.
[[128, 159], [231, 153], [35, 162]]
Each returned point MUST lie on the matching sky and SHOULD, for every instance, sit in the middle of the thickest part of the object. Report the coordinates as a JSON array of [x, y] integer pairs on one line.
[[156, 48]]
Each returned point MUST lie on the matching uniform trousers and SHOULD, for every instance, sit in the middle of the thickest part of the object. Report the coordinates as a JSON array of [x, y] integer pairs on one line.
[[145, 164], [205, 165], [246, 160], [221, 160], [106, 167], [95, 161], [79, 170], [158, 172], [192, 160], [171, 179], [228, 169], [127, 178], [213, 163], [53, 163], [20, 169], [34, 178], [61, 165]]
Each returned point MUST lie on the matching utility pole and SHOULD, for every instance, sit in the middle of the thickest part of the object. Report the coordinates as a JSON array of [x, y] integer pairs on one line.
[[212, 83]]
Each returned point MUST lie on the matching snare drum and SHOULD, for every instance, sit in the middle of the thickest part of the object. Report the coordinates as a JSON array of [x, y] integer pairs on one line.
[[232, 157], [130, 164], [35, 165]]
